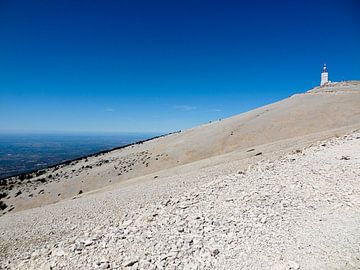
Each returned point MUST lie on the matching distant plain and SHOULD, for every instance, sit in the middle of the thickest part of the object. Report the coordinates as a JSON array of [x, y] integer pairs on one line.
[[20, 153]]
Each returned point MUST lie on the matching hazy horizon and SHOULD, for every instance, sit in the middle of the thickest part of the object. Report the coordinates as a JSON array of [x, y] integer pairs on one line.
[[25, 152], [73, 132]]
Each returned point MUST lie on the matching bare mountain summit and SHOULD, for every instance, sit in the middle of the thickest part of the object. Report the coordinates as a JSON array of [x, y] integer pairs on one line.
[[273, 188], [317, 114]]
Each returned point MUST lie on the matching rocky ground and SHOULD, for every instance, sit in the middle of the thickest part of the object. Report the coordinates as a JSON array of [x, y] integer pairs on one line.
[[298, 212], [30, 186], [306, 117]]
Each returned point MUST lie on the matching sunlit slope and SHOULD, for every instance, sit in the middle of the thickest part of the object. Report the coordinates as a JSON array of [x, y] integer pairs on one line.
[[315, 113], [328, 108]]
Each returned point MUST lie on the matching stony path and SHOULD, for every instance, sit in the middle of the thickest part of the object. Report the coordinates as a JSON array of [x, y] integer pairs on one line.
[[299, 212]]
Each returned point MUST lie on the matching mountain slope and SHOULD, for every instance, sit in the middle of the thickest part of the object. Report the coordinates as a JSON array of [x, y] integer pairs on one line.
[[300, 211], [314, 115]]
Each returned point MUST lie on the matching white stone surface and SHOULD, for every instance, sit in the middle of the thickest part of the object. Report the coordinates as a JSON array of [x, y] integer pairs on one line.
[[301, 211]]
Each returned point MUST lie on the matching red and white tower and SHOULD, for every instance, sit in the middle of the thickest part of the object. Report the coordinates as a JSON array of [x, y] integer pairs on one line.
[[324, 76]]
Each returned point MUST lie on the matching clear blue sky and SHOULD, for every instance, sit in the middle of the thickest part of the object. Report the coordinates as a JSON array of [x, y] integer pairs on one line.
[[132, 65]]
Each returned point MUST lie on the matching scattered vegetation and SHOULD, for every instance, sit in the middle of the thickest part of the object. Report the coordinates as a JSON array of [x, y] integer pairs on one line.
[[3, 195], [41, 180], [40, 172], [3, 205]]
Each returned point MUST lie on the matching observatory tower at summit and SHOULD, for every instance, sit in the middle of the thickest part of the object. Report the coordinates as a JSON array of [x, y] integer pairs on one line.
[[324, 76]]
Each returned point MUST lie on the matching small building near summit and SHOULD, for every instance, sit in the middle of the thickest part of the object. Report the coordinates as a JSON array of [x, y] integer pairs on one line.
[[324, 76]]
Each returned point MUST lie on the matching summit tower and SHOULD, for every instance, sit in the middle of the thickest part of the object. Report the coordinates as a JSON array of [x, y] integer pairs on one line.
[[324, 76]]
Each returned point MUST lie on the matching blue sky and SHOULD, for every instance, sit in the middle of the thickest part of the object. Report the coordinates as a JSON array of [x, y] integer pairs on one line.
[[116, 66]]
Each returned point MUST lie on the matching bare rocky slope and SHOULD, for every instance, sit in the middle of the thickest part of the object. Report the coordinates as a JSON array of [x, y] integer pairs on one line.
[[300, 211], [275, 188], [317, 114]]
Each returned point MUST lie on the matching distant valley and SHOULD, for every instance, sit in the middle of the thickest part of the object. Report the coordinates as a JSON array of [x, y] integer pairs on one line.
[[21, 153]]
